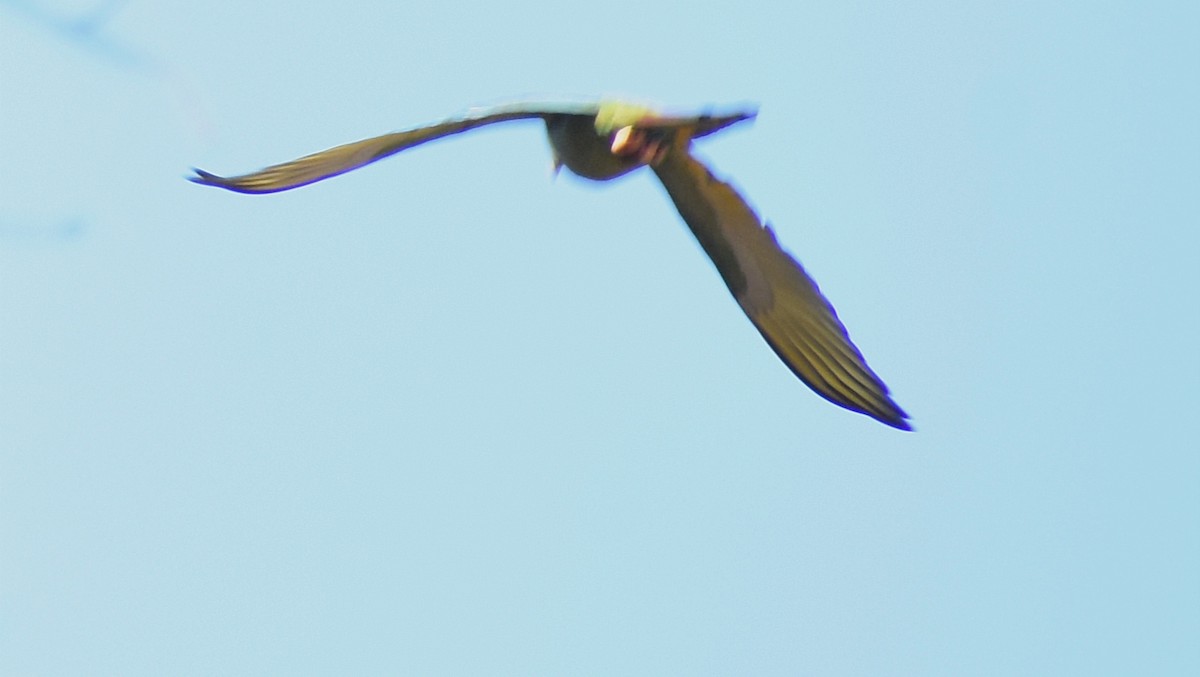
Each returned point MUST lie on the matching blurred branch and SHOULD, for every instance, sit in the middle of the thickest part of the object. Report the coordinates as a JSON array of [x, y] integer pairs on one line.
[[86, 31], [36, 230]]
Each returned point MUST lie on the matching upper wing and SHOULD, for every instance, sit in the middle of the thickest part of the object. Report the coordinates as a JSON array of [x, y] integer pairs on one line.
[[341, 159], [781, 299]]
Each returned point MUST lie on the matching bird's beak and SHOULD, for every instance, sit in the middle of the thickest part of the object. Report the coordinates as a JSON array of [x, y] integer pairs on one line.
[[555, 167]]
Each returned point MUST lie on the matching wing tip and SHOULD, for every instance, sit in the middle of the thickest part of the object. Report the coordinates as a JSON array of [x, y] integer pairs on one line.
[[202, 177], [714, 121], [233, 184], [899, 422], [209, 179], [882, 408]]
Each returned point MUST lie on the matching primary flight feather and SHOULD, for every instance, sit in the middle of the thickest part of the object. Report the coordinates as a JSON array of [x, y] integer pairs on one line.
[[609, 139]]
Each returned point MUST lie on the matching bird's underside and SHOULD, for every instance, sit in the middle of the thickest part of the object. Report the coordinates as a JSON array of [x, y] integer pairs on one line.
[[608, 140]]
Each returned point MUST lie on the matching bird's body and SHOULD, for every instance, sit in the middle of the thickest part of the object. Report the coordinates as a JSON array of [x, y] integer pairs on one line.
[[578, 148], [610, 139]]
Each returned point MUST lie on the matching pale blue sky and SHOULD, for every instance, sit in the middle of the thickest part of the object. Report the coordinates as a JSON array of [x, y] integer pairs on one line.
[[448, 416]]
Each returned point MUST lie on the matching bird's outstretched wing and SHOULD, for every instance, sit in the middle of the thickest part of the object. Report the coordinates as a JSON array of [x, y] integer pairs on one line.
[[780, 298], [341, 159]]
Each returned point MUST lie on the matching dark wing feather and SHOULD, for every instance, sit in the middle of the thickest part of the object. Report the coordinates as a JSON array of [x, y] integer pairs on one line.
[[781, 299], [341, 159]]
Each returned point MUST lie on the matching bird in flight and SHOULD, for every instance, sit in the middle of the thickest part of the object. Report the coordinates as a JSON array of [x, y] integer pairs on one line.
[[608, 139]]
